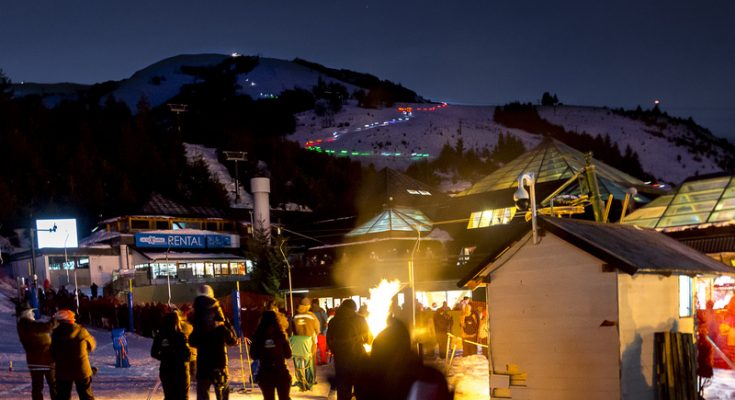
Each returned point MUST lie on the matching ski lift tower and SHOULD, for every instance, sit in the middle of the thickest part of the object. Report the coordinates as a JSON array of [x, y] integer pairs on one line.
[[178, 109], [236, 156]]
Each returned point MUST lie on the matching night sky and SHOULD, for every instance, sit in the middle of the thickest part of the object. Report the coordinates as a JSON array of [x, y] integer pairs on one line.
[[613, 53]]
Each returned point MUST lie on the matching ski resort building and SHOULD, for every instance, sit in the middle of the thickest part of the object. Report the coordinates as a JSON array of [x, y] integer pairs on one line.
[[168, 242]]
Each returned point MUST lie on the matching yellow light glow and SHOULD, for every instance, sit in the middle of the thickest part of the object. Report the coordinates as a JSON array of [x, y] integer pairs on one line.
[[379, 305]]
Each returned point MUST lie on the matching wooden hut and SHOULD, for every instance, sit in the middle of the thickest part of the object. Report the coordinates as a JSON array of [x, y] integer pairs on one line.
[[578, 310]]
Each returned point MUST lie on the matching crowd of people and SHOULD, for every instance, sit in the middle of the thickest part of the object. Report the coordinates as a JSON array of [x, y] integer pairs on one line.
[[191, 343]]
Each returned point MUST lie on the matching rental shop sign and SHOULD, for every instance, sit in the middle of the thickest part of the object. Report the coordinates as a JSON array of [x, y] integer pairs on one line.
[[181, 241]]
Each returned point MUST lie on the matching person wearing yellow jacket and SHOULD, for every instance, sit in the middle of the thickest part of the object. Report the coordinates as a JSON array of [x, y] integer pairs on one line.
[[71, 344]]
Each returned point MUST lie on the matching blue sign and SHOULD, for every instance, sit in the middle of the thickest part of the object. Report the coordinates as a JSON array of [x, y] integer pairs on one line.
[[218, 241], [181, 241]]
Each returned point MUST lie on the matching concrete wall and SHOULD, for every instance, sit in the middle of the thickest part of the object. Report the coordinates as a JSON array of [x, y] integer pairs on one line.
[[101, 268], [648, 304], [546, 306]]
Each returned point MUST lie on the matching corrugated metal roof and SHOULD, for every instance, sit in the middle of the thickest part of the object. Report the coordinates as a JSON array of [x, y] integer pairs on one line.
[[634, 249], [630, 248]]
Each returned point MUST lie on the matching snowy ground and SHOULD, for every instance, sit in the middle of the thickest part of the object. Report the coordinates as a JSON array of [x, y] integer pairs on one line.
[[468, 376]]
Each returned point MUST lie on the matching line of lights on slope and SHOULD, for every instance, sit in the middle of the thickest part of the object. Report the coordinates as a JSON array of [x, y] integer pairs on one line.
[[354, 153], [407, 113]]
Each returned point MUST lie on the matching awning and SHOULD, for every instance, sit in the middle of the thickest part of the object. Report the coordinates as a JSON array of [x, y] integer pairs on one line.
[[187, 256]]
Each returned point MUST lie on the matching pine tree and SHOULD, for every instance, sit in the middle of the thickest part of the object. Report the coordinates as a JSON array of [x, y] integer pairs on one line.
[[270, 268]]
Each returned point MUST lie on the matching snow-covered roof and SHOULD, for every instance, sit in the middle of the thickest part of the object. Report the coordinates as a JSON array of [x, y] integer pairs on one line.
[[159, 204], [96, 238]]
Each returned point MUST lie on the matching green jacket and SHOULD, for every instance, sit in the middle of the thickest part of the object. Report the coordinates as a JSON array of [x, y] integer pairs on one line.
[[36, 339], [70, 348]]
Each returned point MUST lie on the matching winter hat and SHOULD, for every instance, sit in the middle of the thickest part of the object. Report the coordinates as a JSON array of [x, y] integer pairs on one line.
[[305, 301], [206, 290], [65, 316]]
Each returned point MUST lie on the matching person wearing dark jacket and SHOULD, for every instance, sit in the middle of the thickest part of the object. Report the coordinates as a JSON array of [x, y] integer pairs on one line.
[[211, 335], [392, 347], [171, 348], [442, 327], [36, 339], [271, 348], [70, 348], [346, 336]]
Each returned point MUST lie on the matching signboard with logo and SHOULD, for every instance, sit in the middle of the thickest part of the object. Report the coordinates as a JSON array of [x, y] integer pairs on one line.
[[182, 241]]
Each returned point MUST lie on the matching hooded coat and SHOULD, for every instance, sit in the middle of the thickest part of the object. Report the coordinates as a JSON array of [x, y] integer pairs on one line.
[[70, 348], [211, 334]]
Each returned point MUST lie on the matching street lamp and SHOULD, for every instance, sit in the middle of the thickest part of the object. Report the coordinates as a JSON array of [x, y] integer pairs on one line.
[[288, 268], [66, 262], [523, 199], [34, 285]]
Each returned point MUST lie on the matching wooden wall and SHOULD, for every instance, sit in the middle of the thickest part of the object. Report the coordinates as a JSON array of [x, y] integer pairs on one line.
[[546, 307], [648, 304]]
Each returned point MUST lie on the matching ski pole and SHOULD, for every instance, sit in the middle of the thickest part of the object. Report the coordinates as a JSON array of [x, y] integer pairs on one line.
[[250, 368]]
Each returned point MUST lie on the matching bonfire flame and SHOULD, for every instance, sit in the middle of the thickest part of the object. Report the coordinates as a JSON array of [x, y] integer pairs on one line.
[[379, 305]]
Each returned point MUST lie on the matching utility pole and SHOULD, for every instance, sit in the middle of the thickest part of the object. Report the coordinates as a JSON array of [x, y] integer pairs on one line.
[[236, 156]]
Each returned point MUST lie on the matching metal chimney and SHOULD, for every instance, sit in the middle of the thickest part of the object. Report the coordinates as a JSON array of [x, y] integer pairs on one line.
[[261, 188]]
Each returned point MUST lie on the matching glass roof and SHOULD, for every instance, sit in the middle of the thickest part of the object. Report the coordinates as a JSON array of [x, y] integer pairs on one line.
[[549, 161], [695, 203], [606, 186], [394, 219]]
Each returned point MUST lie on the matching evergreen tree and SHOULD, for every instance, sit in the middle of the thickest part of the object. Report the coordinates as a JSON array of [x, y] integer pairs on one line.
[[269, 267], [508, 148]]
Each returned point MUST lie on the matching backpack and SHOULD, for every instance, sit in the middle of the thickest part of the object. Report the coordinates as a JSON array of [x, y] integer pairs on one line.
[[470, 325]]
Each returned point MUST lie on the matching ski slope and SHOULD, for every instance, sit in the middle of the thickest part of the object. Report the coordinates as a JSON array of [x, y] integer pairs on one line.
[[395, 138]]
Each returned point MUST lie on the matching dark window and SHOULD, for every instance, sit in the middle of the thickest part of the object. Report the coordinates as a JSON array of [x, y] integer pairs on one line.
[[162, 225], [139, 224], [211, 226]]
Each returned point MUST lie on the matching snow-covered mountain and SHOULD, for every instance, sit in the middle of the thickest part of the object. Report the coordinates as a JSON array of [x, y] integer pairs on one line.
[[163, 80], [396, 136]]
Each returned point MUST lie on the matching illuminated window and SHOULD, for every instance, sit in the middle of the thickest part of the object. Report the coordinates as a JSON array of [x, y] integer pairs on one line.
[[464, 255], [498, 216], [685, 296], [162, 270]]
